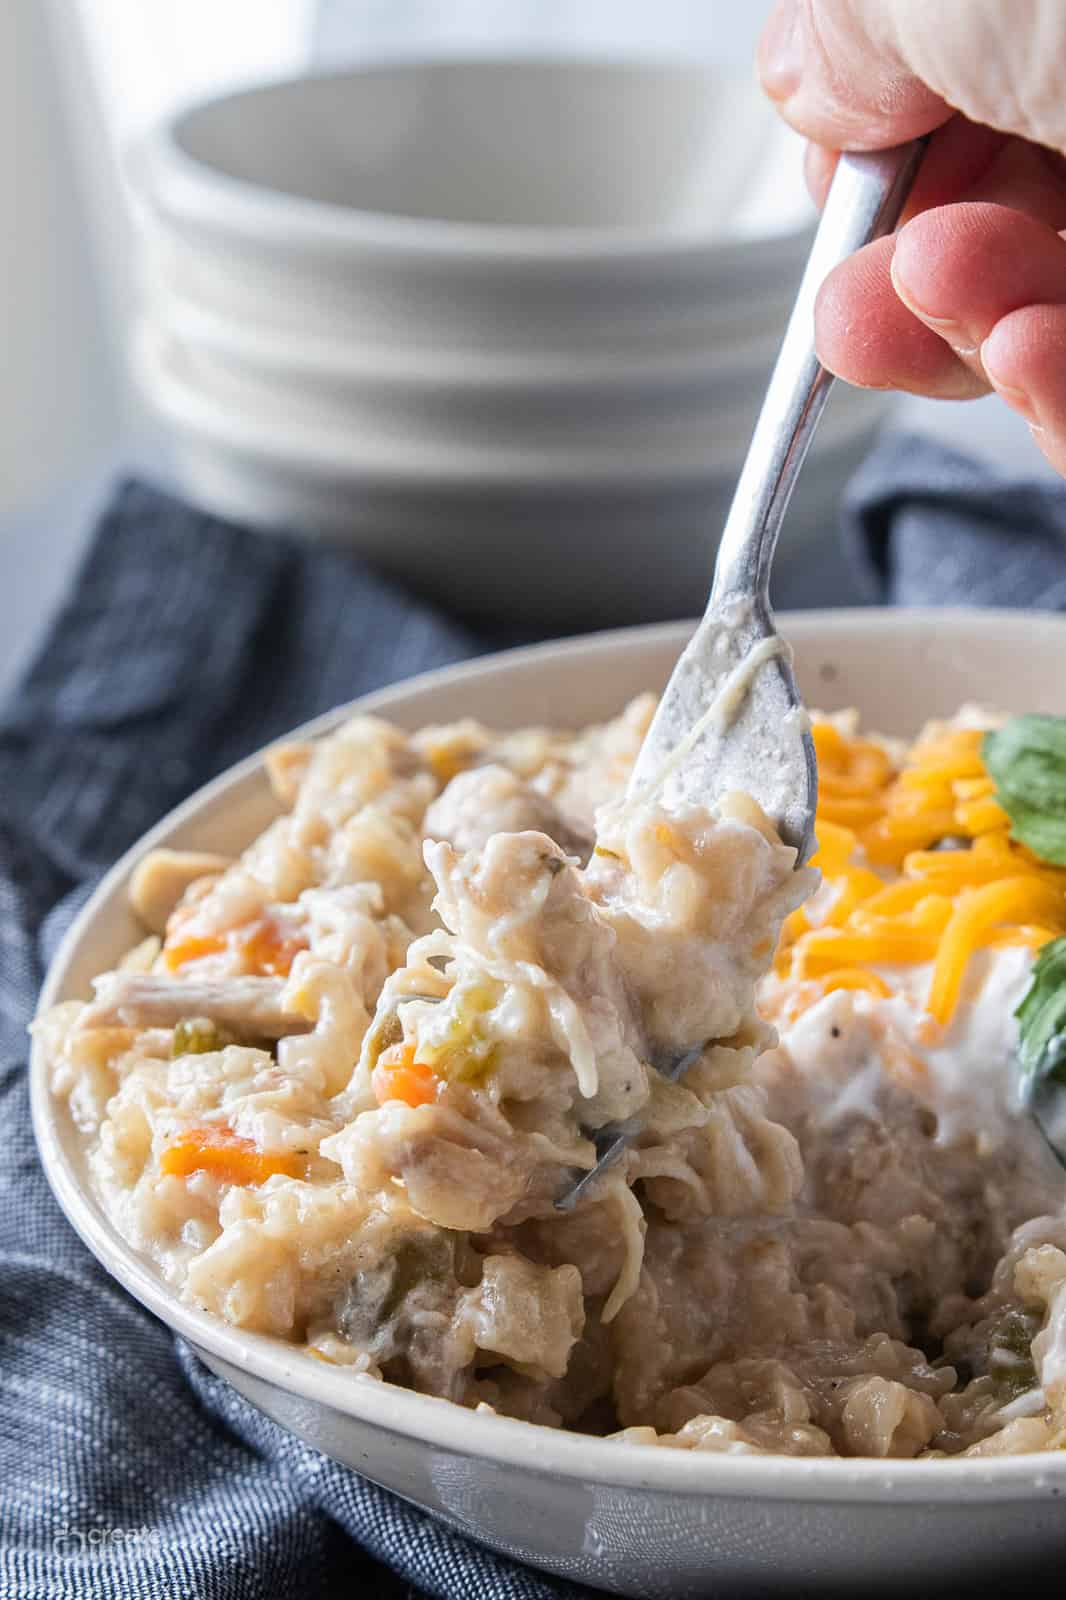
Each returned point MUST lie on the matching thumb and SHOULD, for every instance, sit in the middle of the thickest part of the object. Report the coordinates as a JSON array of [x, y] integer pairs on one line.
[[862, 74]]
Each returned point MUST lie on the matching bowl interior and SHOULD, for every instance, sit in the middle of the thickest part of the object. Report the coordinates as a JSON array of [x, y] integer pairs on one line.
[[899, 667], [539, 144]]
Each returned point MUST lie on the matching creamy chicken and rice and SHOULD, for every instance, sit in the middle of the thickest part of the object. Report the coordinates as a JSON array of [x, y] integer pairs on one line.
[[338, 1090]]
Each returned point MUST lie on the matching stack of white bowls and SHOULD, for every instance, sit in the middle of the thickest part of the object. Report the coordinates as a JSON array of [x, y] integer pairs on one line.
[[501, 327]]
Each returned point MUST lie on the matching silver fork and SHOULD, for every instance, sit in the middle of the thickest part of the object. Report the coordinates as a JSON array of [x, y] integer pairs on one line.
[[760, 741]]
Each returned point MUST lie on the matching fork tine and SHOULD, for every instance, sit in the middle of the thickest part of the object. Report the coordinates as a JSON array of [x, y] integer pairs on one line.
[[613, 1139]]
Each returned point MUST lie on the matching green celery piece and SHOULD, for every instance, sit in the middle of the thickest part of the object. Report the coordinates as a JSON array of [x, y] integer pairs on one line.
[[197, 1036]]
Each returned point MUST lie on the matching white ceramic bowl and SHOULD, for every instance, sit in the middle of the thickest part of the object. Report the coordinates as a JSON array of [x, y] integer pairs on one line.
[[637, 1520], [464, 204], [608, 523], [617, 422], [477, 400], [436, 310]]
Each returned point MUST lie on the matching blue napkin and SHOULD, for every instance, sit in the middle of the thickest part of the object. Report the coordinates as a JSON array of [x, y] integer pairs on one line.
[[127, 1470], [927, 526]]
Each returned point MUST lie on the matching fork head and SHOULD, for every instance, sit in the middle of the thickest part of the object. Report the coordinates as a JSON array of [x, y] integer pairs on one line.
[[733, 715]]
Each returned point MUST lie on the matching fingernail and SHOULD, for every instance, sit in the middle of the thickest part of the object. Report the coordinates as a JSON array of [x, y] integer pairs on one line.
[[952, 332], [1016, 398], [781, 51]]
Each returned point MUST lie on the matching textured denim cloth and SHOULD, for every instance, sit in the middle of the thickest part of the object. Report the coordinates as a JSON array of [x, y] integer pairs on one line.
[[127, 1470], [925, 526]]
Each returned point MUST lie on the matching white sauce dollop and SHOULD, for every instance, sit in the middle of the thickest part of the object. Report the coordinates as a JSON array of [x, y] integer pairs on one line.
[[970, 1082], [972, 1063]]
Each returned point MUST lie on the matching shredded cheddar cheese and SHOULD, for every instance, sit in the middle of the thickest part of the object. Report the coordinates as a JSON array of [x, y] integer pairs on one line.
[[855, 978], [890, 896]]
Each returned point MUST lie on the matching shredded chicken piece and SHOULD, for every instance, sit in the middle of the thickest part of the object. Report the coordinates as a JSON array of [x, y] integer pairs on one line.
[[490, 800], [252, 1007]]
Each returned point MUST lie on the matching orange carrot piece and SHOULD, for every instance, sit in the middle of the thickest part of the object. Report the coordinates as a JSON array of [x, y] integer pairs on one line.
[[191, 949], [268, 951], [226, 1155], [398, 1076]]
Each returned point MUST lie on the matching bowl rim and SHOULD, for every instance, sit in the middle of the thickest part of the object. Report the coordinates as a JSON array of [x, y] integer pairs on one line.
[[190, 191], [426, 1419]]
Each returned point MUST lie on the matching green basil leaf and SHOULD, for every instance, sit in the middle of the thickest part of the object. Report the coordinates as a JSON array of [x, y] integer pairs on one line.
[[1026, 760], [1042, 1018]]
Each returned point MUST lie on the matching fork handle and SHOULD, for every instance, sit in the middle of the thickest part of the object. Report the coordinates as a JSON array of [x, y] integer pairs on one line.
[[865, 199]]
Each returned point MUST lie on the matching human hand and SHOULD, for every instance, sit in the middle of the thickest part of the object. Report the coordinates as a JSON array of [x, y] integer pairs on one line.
[[970, 293]]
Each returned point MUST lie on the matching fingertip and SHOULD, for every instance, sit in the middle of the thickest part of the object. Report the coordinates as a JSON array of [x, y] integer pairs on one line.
[[936, 258], [1026, 362], [836, 82], [962, 268], [1025, 359], [1005, 379], [867, 336]]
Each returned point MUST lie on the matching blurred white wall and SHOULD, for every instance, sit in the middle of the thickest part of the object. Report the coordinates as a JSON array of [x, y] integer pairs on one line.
[[57, 395], [722, 29], [78, 80], [123, 64], [60, 386]]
